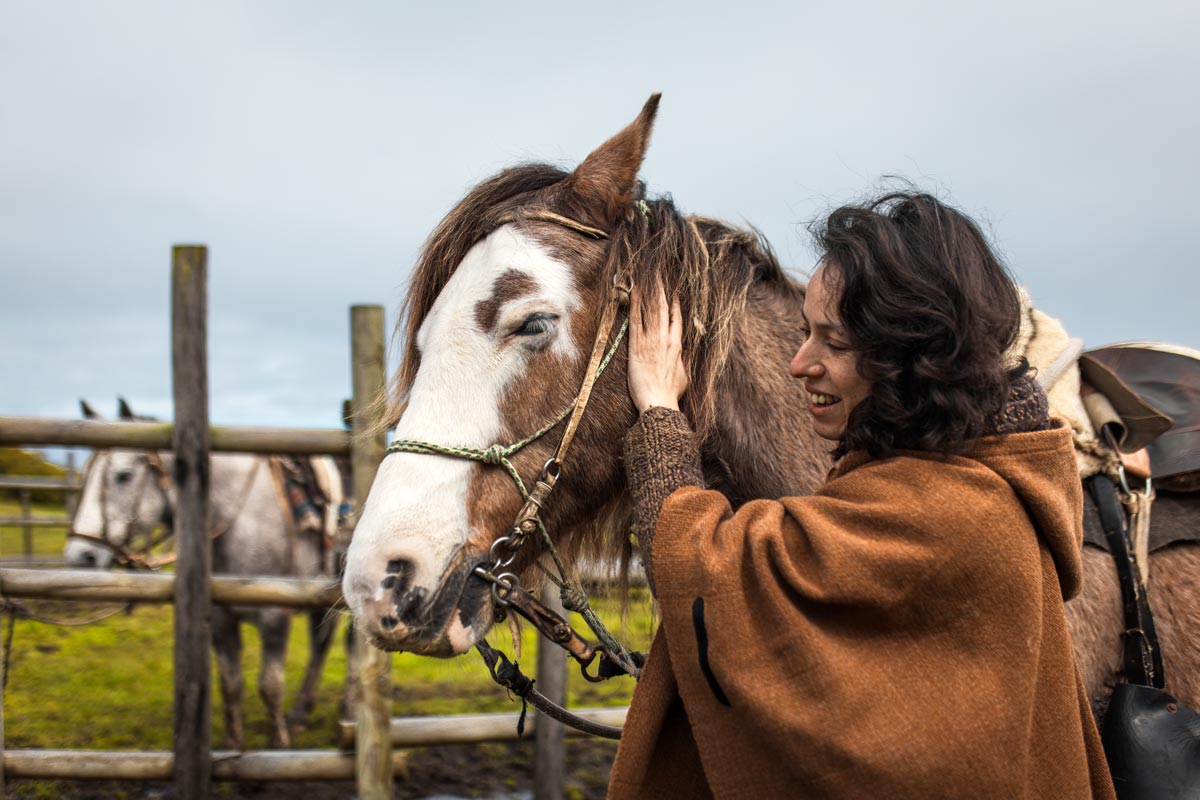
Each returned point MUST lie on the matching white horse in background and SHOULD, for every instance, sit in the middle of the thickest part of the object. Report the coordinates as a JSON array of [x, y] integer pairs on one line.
[[128, 494]]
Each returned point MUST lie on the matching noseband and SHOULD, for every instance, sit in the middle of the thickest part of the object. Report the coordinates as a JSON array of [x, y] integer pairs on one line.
[[506, 588]]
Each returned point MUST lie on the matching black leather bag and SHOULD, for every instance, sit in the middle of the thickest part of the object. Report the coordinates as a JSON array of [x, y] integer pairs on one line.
[[1151, 740], [1153, 745]]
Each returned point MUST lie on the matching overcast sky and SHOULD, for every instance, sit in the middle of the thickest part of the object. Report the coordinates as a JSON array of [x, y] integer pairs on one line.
[[313, 146]]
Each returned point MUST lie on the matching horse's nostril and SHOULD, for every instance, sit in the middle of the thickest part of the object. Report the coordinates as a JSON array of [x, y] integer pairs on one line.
[[89, 559], [399, 577], [408, 606], [389, 622]]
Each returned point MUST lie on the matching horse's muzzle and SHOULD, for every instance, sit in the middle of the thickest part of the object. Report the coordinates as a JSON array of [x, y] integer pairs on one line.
[[444, 622]]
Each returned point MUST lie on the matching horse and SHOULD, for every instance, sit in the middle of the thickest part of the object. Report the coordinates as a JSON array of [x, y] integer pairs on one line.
[[127, 494], [504, 300]]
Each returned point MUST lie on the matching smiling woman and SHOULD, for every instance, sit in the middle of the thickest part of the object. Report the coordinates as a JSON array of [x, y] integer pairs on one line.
[[837, 642]]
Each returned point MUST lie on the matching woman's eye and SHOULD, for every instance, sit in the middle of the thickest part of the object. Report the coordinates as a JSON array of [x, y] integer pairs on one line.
[[124, 476], [535, 324]]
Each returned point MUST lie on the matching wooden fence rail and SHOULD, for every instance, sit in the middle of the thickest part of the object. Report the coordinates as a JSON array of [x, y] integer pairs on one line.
[[37, 483], [25, 485], [159, 436], [84, 584], [296, 765], [224, 765]]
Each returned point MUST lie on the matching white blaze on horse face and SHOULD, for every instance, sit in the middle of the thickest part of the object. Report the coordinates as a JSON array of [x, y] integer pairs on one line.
[[117, 490], [417, 511]]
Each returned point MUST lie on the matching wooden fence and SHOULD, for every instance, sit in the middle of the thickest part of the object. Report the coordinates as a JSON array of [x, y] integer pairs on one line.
[[193, 764], [25, 486]]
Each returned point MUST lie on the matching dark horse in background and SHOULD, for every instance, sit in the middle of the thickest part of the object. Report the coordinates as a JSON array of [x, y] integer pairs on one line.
[[502, 309]]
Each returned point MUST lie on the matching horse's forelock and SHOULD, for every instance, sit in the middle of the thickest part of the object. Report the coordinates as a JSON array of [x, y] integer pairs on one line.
[[469, 222]]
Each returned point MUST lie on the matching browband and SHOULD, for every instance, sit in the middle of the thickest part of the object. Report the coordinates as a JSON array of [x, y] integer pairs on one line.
[[557, 219]]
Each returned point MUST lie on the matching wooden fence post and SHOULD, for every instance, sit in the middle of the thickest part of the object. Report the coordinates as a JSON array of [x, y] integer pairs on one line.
[[27, 530], [193, 609], [550, 742], [373, 742]]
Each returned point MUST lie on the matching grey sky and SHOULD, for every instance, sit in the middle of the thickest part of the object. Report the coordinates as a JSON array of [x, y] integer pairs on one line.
[[312, 147]]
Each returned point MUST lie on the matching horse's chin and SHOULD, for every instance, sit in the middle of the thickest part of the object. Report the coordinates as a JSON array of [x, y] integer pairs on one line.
[[459, 614], [456, 640]]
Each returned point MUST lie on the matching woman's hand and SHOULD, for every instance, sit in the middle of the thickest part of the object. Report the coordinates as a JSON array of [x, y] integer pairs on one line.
[[657, 375]]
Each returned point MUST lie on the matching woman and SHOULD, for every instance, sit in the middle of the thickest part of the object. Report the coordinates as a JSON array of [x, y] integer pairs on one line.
[[900, 633]]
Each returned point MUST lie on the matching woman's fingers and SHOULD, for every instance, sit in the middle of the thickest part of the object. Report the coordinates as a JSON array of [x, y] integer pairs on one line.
[[657, 375]]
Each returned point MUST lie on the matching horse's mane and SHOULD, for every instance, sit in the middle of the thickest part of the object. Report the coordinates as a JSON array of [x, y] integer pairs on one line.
[[710, 265]]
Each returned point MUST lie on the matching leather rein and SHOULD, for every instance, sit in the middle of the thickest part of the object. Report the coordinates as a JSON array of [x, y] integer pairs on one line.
[[614, 659]]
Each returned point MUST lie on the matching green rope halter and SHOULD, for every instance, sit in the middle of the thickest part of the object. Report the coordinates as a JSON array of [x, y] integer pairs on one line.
[[498, 454]]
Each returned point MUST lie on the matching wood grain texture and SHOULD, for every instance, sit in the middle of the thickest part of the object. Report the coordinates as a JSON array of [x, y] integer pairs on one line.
[[160, 436], [193, 609], [373, 753]]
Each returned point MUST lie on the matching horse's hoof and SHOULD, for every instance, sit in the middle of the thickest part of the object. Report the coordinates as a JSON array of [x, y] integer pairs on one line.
[[298, 717]]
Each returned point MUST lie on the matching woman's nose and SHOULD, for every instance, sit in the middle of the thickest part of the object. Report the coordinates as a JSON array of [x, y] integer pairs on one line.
[[803, 366]]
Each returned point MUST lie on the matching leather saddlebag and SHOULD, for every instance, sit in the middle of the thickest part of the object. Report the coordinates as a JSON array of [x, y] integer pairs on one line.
[[1152, 742]]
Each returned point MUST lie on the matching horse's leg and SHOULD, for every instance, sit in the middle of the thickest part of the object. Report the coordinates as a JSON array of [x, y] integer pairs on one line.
[[274, 627], [227, 642], [1175, 600], [322, 624], [1096, 623]]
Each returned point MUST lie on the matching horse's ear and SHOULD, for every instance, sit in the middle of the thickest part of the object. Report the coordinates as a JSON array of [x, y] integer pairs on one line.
[[123, 409], [606, 182], [87, 411]]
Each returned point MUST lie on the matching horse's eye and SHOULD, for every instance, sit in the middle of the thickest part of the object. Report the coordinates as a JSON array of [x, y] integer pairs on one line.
[[124, 476], [535, 324]]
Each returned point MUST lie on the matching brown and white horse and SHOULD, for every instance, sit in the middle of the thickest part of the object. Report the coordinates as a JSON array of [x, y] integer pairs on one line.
[[503, 308]]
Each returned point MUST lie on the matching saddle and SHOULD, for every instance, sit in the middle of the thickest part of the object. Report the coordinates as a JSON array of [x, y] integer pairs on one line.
[[314, 493], [1156, 388]]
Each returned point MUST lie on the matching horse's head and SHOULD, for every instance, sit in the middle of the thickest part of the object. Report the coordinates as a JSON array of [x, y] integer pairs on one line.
[[503, 311], [124, 494]]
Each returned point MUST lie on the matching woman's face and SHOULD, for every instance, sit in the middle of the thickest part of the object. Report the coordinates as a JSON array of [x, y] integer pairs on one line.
[[827, 362]]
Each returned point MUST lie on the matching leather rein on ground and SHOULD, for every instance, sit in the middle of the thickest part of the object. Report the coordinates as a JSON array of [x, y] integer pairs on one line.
[[506, 588]]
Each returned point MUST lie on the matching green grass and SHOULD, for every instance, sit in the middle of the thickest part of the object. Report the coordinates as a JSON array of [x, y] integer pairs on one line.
[[109, 685], [47, 542]]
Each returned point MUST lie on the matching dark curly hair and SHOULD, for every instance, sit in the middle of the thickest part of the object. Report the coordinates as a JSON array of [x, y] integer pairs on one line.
[[932, 313]]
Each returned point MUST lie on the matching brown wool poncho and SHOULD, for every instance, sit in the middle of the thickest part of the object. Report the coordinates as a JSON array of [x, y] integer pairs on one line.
[[900, 634]]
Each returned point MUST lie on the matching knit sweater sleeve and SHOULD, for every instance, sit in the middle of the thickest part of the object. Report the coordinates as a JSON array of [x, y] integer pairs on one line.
[[662, 454]]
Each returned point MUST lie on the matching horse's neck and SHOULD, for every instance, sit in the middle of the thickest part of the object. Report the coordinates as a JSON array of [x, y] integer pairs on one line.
[[764, 445]]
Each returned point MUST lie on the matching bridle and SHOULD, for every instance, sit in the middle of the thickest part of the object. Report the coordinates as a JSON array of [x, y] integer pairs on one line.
[[143, 557], [123, 554], [505, 585]]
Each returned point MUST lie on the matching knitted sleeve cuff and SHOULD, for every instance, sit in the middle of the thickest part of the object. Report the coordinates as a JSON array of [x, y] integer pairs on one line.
[[662, 454]]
